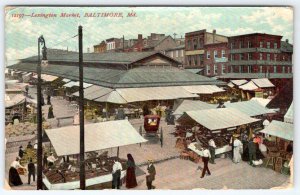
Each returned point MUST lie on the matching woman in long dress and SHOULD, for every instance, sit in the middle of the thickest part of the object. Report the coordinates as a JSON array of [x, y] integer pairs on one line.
[[238, 147], [50, 112], [130, 172], [14, 177]]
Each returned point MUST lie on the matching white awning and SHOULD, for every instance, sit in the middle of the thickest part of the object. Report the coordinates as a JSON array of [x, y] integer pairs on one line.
[[76, 83], [203, 89], [154, 93], [112, 97], [251, 108], [289, 116], [46, 77], [262, 101], [230, 84], [280, 129], [250, 86], [98, 136], [17, 99], [239, 82], [66, 80], [220, 118], [262, 83], [94, 92], [188, 105]]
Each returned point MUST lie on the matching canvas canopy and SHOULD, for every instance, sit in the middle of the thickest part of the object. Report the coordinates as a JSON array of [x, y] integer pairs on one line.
[[76, 83], [262, 83], [251, 108], [188, 105], [280, 129], [46, 77], [221, 118], [66, 80], [203, 89], [289, 116], [239, 82], [98, 136], [154, 93], [94, 92], [112, 97], [250, 86], [17, 99], [261, 101]]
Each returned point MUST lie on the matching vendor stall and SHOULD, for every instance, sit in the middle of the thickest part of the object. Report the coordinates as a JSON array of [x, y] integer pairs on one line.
[[98, 136]]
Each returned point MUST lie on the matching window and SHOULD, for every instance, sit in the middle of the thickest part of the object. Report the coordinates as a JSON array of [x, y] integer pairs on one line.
[[196, 60], [288, 69], [249, 44], [182, 53], [231, 57], [241, 56], [215, 69], [275, 57], [275, 45], [249, 56], [223, 69], [261, 44], [268, 45], [190, 60], [208, 54], [195, 43], [268, 57], [223, 53], [189, 44], [260, 69], [201, 57], [232, 45], [207, 69], [275, 69], [283, 69], [260, 56], [176, 53], [215, 54]]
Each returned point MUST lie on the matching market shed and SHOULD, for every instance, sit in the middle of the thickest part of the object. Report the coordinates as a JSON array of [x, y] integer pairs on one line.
[[280, 129], [98, 136], [216, 119], [250, 108], [189, 105], [289, 116]]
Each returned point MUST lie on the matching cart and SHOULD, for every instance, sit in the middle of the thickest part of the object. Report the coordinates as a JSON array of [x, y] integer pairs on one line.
[[151, 127]]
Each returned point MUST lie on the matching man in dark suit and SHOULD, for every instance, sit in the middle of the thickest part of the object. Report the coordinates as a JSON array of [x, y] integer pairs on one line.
[[151, 175], [31, 171], [21, 152], [252, 151]]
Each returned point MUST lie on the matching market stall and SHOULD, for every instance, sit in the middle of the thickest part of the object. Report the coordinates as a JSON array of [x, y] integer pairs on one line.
[[98, 137]]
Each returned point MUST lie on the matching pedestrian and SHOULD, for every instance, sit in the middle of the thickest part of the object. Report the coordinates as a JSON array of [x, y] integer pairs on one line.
[[130, 172], [26, 89], [14, 178], [212, 150], [121, 113], [116, 175], [48, 99], [151, 175], [21, 152], [29, 145], [252, 151], [51, 159], [145, 110], [205, 159], [45, 161], [104, 113], [238, 148], [42, 100], [50, 112], [31, 170]]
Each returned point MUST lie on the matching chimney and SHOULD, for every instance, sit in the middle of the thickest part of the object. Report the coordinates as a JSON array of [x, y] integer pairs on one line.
[[287, 41], [214, 35]]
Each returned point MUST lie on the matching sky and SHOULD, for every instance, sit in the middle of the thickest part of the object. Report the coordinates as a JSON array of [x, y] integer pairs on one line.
[[21, 33]]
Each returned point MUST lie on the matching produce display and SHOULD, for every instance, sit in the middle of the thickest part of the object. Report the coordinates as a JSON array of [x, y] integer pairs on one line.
[[30, 153], [23, 129]]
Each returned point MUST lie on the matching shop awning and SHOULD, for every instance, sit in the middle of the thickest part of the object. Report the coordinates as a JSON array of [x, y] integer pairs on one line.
[[221, 118], [112, 97], [239, 82], [262, 101], [17, 99], [46, 77], [188, 105], [251, 108], [262, 83], [289, 116], [154, 93], [66, 80], [250, 86], [94, 92], [203, 89], [280, 129], [76, 83], [98, 136]]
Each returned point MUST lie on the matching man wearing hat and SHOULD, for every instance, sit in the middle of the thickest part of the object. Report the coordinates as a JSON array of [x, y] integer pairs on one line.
[[212, 149], [151, 174], [205, 158], [21, 152], [252, 151]]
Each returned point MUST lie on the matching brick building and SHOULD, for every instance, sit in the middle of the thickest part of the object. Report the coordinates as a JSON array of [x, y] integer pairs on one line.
[[196, 56], [259, 53], [177, 53], [100, 48]]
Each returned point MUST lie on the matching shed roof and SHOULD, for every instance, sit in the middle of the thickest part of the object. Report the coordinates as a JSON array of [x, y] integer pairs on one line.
[[250, 86], [203, 89], [98, 136], [280, 129], [263, 83], [239, 82], [221, 118], [188, 105], [289, 116], [255, 75]]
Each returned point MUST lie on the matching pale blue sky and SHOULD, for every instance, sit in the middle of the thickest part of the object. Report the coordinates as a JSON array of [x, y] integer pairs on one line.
[[21, 34]]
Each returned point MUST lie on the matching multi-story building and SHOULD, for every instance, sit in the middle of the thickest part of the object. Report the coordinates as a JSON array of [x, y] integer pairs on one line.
[[176, 53], [158, 42], [258, 53], [196, 55], [113, 44], [100, 48], [216, 59]]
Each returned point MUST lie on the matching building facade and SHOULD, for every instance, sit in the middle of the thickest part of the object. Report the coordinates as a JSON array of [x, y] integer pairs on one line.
[[100, 48], [195, 48], [258, 53], [176, 53]]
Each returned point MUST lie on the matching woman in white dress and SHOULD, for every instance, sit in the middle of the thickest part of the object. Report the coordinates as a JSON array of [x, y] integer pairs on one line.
[[14, 177], [238, 148]]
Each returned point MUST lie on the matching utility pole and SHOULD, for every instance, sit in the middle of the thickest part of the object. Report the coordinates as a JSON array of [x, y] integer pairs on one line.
[[81, 111], [41, 40]]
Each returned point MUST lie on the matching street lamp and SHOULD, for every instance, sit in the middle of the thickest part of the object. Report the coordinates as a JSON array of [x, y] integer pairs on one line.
[[41, 41]]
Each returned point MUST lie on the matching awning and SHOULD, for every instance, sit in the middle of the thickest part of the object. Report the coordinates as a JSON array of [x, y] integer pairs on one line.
[[280, 129], [239, 82], [66, 80], [250, 86], [188, 105], [262, 101], [17, 99], [98, 136], [46, 77], [94, 92], [76, 83], [112, 97], [262, 83], [221, 118], [230, 84], [28, 74], [195, 70], [154, 93], [251, 108], [203, 89], [289, 116]]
